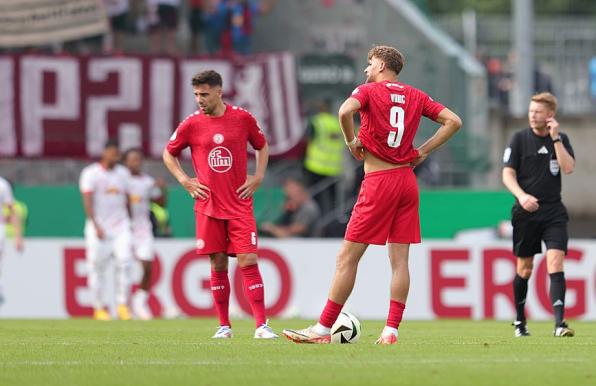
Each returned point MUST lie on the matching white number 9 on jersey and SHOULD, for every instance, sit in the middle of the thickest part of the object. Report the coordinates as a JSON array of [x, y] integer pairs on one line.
[[396, 119]]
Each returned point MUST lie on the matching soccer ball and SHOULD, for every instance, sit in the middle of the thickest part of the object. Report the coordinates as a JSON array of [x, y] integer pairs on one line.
[[346, 329]]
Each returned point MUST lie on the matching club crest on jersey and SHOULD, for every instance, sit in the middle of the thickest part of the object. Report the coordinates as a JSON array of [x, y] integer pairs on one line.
[[200, 243], [218, 138], [554, 167], [220, 159]]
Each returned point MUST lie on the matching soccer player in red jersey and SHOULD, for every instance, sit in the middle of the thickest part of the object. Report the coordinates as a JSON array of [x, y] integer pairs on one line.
[[387, 207], [217, 135]]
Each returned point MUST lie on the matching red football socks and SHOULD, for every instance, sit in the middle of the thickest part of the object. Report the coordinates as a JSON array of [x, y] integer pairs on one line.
[[254, 290], [330, 313], [396, 311], [220, 288]]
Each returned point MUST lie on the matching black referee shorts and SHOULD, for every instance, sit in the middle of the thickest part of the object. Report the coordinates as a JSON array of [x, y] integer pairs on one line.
[[548, 224]]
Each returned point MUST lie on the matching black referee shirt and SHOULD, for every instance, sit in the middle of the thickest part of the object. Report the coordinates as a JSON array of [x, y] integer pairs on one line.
[[535, 161]]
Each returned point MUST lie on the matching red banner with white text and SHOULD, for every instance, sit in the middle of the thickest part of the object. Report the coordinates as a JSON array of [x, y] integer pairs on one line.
[[68, 106]]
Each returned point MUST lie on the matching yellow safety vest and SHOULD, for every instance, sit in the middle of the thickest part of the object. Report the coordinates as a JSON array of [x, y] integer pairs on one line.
[[324, 153], [162, 217], [22, 211]]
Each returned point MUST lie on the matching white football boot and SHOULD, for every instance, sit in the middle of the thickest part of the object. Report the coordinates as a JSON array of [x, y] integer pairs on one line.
[[140, 309], [223, 332], [265, 332]]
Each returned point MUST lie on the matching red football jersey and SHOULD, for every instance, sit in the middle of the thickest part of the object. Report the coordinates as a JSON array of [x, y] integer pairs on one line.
[[218, 147], [390, 113]]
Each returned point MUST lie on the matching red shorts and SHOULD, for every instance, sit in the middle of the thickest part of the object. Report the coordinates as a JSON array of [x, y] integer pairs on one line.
[[387, 209], [233, 236]]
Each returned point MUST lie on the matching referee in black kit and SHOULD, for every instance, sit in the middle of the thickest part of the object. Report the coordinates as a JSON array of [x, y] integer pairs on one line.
[[533, 162]]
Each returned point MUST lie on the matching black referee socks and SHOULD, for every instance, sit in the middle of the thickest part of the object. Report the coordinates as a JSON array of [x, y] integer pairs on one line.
[[557, 295], [520, 291]]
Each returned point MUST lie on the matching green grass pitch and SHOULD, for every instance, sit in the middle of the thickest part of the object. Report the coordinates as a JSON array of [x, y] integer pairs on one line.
[[180, 352]]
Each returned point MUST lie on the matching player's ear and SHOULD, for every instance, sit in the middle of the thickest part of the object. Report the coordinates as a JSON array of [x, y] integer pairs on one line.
[[382, 66]]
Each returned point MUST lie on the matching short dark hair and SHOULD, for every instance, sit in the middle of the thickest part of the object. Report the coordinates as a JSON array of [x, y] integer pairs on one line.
[[130, 151], [210, 77], [393, 59], [111, 143]]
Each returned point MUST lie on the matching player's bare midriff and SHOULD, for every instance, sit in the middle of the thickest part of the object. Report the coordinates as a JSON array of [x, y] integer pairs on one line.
[[373, 163]]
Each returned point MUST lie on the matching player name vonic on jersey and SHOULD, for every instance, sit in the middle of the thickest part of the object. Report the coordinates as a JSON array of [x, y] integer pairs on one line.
[[110, 189], [218, 148], [142, 190], [390, 113]]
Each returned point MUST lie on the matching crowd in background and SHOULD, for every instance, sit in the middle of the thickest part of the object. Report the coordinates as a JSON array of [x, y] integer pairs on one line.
[[500, 74], [216, 27], [213, 27]]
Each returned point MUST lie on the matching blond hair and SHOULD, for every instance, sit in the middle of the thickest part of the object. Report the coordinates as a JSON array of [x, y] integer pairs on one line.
[[546, 98], [393, 59]]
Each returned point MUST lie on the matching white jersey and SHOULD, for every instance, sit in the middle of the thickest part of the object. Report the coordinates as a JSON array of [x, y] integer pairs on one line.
[[110, 189], [142, 190], [6, 198]]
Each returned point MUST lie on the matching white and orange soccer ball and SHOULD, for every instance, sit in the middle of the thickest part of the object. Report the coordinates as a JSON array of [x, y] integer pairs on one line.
[[346, 329]]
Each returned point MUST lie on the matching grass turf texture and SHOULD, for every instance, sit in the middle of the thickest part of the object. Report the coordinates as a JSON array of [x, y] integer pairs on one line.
[[180, 352]]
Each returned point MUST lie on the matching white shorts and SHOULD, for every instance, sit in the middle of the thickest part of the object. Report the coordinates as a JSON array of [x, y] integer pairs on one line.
[[117, 244], [2, 237], [143, 247]]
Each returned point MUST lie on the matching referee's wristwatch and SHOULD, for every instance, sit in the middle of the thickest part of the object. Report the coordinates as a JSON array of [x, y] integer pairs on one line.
[[557, 139]]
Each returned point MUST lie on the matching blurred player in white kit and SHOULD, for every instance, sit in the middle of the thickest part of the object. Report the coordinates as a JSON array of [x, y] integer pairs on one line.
[[7, 200], [104, 187], [142, 191]]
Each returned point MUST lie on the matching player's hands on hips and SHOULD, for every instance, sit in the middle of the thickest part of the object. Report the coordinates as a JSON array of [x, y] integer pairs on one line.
[[250, 186], [356, 149], [529, 203], [195, 188], [553, 127], [419, 158]]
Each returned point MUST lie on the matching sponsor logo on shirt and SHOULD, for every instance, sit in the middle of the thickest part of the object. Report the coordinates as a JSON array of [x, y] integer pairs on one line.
[[112, 190], [220, 159], [543, 150], [135, 198]]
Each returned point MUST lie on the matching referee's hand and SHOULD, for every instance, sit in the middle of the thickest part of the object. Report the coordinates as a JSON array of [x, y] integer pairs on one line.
[[529, 203]]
